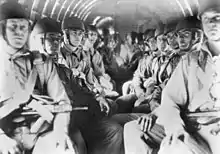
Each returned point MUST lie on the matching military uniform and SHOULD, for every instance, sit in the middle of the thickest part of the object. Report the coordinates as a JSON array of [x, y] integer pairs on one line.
[[80, 61], [99, 70], [194, 77], [142, 73], [18, 83]]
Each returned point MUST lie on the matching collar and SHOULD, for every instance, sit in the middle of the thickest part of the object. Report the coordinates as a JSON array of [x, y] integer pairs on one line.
[[68, 51], [203, 55], [206, 49], [19, 54]]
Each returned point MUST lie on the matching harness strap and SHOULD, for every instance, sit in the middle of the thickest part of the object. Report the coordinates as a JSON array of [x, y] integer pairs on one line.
[[12, 104]]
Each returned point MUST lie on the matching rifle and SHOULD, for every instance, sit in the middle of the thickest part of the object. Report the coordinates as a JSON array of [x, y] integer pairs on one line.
[[196, 119], [44, 108], [204, 117]]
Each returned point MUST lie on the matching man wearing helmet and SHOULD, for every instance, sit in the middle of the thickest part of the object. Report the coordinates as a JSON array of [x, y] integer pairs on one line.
[[165, 69], [163, 49], [73, 33], [43, 31], [77, 59], [198, 81], [152, 85], [147, 127], [20, 82], [189, 34], [46, 37], [189, 38], [144, 67], [142, 73], [97, 60], [138, 100], [170, 32]]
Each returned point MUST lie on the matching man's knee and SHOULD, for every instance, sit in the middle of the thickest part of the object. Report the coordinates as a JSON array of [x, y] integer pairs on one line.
[[133, 140], [132, 129], [190, 145], [126, 87], [44, 145], [47, 144]]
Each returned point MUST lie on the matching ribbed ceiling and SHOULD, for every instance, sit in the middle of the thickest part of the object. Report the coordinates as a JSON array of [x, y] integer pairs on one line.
[[127, 14]]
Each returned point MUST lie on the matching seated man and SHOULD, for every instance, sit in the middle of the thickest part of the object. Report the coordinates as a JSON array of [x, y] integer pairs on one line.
[[142, 74], [28, 118], [143, 70], [77, 59], [86, 121], [143, 127], [96, 61], [198, 81], [152, 84]]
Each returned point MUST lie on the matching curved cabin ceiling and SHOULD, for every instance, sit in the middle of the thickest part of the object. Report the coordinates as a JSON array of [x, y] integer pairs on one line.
[[127, 15]]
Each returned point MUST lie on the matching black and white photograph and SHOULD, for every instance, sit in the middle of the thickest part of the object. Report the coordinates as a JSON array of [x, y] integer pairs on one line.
[[109, 76]]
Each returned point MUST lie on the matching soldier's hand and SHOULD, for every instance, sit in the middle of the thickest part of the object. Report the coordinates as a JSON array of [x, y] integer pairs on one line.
[[104, 106], [157, 92], [8, 145], [107, 77], [175, 135], [97, 89], [75, 72], [146, 122], [140, 100], [82, 75]]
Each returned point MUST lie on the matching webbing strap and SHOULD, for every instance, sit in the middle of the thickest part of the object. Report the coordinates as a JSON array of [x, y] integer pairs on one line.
[[12, 104]]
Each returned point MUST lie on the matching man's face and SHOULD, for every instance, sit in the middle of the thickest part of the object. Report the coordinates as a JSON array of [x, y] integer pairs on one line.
[[211, 25], [162, 43], [152, 43], [142, 46], [52, 42], [92, 37], [17, 31], [112, 44], [184, 39], [172, 40], [129, 39], [76, 37]]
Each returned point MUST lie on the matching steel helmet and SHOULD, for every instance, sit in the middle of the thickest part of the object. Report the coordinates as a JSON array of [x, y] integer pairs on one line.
[[11, 10], [73, 23], [208, 6], [150, 34], [191, 23], [160, 30], [171, 26], [145, 34], [46, 25]]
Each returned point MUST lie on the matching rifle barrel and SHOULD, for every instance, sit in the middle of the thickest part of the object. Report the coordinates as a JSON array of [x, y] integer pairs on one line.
[[204, 114], [73, 109]]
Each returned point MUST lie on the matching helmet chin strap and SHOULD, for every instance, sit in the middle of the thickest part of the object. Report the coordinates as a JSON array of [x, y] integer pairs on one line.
[[10, 45], [67, 35], [5, 37], [43, 42]]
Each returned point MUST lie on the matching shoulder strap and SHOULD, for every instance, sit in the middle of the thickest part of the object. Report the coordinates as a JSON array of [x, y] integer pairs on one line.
[[38, 64], [10, 104], [31, 81], [41, 74]]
